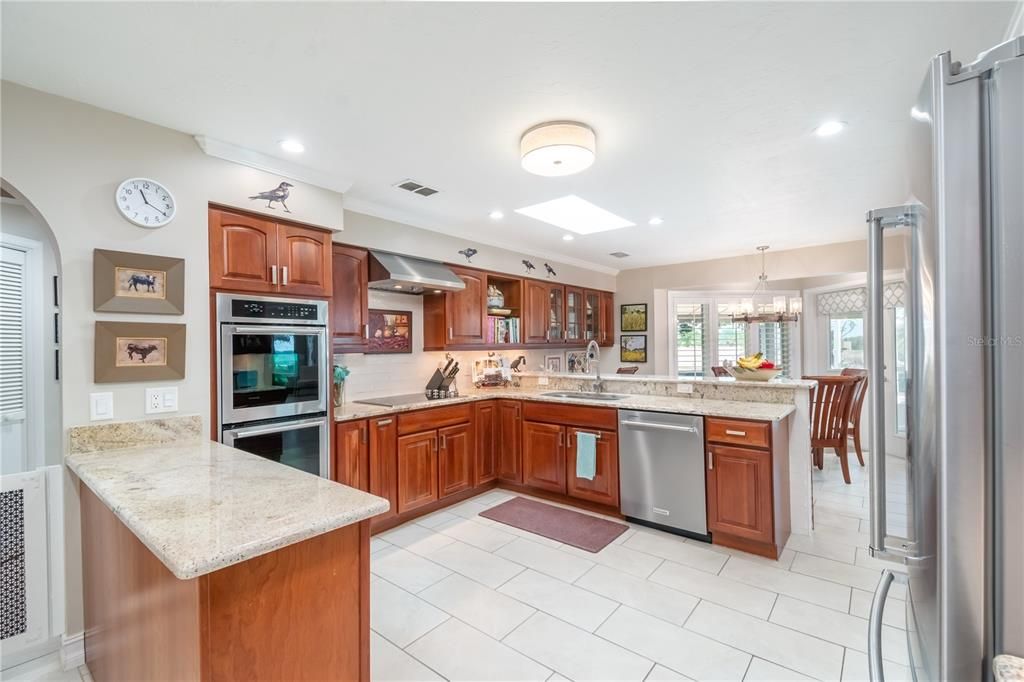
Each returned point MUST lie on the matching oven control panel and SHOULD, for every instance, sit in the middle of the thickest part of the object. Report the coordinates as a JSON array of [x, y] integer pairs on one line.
[[255, 309]]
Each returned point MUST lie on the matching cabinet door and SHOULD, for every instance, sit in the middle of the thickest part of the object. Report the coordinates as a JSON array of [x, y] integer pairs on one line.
[[604, 489], [740, 492], [349, 274], [417, 470], [591, 315], [242, 251], [556, 313], [606, 325], [486, 442], [510, 458], [544, 456], [456, 459], [384, 464], [536, 313], [574, 314], [305, 259], [351, 465], [465, 310]]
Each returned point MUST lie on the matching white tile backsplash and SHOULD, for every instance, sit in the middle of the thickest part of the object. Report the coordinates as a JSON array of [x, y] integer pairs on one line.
[[395, 374]]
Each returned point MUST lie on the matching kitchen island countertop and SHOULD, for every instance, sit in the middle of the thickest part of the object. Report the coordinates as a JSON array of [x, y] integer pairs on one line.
[[200, 506]]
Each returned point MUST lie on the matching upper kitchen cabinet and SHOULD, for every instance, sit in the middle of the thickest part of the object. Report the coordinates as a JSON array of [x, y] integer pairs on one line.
[[249, 253], [464, 309], [545, 312], [349, 317], [575, 315]]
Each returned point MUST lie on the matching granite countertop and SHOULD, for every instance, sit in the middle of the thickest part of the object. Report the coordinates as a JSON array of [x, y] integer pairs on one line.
[[200, 506], [711, 408], [779, 382], [1006, 668]]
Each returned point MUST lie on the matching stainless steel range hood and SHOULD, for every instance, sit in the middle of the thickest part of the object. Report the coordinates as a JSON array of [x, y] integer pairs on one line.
[[408, 275]]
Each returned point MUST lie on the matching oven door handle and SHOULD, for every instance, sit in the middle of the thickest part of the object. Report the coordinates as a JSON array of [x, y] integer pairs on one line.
[[277, 428], [277, 330]]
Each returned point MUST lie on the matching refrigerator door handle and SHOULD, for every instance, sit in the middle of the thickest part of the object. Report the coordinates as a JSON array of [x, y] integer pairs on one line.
[[875, 672]]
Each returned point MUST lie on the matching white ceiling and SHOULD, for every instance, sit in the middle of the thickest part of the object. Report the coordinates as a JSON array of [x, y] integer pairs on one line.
[[703, 110]]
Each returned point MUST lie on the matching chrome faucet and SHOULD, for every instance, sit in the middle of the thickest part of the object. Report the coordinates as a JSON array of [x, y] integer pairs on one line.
[[594, 357]]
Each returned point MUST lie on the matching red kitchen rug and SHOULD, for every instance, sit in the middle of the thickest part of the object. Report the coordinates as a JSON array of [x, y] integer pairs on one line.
[[564, 525]]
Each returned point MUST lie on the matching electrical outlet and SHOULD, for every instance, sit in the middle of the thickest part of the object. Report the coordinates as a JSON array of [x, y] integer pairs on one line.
[[163, 399], [543, 381], [101, 406], [684, 388]]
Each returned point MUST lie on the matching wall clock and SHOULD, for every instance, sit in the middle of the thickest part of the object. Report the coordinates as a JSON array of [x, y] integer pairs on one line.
[[145, 202]]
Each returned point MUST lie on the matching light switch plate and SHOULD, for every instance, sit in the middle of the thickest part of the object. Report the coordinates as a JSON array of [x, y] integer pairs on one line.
[[684, 388], [101, 406], [163, 399]]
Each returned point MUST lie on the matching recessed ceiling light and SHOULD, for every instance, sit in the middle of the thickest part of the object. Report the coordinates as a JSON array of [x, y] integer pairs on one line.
[[567, 237], [655, 221], [293, 146], [558, 148], [496, 215], [575, 214], [829, 128]]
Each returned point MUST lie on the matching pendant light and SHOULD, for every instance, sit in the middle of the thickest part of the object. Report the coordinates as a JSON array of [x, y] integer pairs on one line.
[[781, 311]]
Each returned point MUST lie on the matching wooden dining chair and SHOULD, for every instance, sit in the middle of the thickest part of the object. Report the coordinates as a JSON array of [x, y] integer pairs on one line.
[[831, 402], [627, 370], [857, 408], [720, 371]]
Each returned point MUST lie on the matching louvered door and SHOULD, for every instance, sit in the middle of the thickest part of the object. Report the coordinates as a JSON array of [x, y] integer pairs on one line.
[[13, 360]]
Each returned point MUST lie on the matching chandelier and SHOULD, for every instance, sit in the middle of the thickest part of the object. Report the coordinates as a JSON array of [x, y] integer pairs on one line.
[[781, 310]]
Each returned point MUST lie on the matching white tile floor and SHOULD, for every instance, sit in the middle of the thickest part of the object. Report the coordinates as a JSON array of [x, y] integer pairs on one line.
[[459, 597]]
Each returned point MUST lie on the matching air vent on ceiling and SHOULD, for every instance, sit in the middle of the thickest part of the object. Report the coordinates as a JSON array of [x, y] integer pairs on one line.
[[619, 254], [416, 188]]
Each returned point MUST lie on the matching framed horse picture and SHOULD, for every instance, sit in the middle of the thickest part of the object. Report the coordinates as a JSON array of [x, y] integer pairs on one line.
[[126, 282], [138, 351]]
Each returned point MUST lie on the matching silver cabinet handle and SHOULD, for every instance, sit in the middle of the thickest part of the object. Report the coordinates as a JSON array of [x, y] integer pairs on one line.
[[443, 442], [731, 432], [665, 427], [449, 334], [366, 331], [711, 460], [273, 274], [591, 433], [384, 422], [875, 672], [284, 275]]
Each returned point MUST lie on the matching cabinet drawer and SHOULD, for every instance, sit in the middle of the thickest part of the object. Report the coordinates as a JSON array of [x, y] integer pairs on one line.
[[738, 432], [572, 415], [434, 418]]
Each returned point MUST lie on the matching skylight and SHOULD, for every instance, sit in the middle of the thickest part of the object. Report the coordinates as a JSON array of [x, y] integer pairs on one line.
[[575, 214]]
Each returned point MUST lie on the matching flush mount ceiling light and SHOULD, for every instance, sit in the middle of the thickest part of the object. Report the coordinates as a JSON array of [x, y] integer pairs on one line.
[[558, 148], [575, 214], [293, 146], [829, 128]]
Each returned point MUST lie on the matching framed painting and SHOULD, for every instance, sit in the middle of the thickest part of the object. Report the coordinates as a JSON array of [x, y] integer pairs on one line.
[[633, 348], [124, 282], [390, 331], [633, 317], [138, 351]]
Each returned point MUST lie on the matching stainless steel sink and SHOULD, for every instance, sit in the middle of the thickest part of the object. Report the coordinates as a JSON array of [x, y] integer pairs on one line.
[[580, 395]]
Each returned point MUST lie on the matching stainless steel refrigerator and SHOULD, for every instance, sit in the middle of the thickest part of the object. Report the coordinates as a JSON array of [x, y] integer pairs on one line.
[[963, 233]]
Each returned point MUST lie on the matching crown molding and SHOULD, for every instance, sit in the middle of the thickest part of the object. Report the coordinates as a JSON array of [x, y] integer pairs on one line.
[[271, 164]]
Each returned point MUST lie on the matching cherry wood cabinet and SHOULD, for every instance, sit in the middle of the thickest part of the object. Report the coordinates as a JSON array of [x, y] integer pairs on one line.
[[466, 310], [351, 461], [606, 326], [510, 456], [592, 316], [537, 316], [604, 488], [487, 438], [544, 456], [417, 470], [456, 463], [384, 465], [250, 253], [574, 315], [349, 316]]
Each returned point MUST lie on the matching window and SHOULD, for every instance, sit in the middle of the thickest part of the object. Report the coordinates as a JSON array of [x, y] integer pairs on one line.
[[846, 340], [705, 335]]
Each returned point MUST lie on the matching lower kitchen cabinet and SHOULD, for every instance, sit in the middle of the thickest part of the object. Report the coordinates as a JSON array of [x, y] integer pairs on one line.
[[417, 470], [486, 424], [740, 492], [351, 461], [455, 459], [384, 465], [544, 456], [604, 488], [510, 454]]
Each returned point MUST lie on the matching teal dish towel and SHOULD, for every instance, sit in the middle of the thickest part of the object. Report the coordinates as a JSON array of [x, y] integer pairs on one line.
[[586, 455]]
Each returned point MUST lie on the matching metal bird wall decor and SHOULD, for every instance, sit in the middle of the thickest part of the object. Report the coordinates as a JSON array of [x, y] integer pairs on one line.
[[551, 270], [279, 193], [529, 266], [518, 363], [469, 252]]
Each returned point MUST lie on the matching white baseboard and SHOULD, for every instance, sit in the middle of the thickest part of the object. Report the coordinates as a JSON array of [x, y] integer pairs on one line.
[[72, 650]]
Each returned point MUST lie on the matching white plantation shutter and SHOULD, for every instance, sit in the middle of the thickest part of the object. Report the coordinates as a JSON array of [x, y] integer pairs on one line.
[[773, 339], [692, 343], [12, 335]]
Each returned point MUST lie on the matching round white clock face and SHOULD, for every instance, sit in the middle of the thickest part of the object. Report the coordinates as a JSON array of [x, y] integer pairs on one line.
[[145, 202]]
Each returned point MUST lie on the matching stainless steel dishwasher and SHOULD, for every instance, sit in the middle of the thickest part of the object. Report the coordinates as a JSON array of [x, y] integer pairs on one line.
[[661, 471]]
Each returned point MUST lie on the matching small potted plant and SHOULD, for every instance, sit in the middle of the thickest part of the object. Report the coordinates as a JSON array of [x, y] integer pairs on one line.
[[341, 372]]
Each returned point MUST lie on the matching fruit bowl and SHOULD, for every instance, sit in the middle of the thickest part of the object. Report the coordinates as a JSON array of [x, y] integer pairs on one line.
[[741, 374]]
